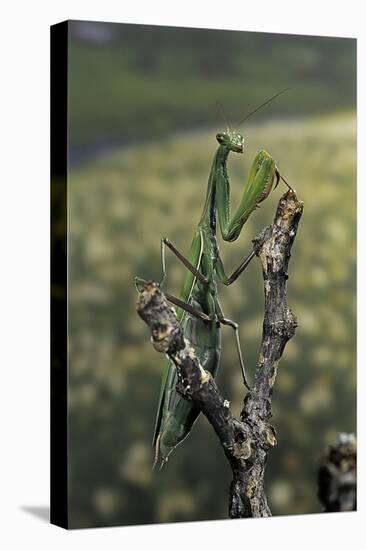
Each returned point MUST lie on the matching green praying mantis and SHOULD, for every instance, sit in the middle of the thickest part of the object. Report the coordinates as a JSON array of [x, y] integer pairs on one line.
[[198, 308]]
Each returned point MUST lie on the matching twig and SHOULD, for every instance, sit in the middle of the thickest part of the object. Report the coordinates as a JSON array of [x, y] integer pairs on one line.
[[337, 475], [246, 442]]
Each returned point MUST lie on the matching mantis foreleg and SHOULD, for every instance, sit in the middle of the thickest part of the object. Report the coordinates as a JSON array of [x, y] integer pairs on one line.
[[259, 184]]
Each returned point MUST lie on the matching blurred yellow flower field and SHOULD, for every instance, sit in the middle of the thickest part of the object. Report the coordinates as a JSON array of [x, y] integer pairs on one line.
[[120, 205]]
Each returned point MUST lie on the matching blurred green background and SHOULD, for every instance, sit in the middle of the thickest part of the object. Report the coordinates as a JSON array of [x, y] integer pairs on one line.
[[143, 117]]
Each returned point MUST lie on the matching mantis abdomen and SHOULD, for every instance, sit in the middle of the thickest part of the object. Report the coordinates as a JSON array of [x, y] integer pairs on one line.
[[180, 414]]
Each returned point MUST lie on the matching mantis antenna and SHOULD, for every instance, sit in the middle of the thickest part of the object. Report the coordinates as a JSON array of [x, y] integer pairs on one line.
[[221, 112], [263, 105]]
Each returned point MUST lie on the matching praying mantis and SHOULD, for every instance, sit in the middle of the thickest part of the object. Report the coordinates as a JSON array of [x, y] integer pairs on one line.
[[198, 308]]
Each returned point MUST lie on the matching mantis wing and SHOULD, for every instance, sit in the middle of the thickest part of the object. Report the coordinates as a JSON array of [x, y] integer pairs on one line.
[[195, 256]]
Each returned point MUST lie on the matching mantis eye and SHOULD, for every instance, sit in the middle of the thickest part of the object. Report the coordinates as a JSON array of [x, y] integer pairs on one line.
[[220, 137]]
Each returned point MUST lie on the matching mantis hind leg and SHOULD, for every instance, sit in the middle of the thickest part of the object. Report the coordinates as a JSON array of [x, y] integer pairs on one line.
[[140, 283], [235, 326], [187, 307], [224, 321]]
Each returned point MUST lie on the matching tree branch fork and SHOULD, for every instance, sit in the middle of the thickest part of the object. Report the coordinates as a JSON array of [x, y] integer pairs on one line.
[[247, 440]]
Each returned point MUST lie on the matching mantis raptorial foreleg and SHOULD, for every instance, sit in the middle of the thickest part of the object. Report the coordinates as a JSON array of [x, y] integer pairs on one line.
[[239, 270], [257, 188]]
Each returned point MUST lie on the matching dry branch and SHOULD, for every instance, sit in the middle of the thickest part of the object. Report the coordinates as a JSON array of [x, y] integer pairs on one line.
[[246, 442]]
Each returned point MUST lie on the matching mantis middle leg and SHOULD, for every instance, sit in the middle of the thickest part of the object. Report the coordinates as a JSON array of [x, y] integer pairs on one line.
[[238, 271], [185, 261]]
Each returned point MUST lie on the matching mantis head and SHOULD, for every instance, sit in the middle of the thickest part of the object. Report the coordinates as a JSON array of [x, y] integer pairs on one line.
[[232, 140]]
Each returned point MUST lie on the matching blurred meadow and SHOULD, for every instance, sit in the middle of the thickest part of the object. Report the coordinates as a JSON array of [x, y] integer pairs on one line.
[[142, 126]]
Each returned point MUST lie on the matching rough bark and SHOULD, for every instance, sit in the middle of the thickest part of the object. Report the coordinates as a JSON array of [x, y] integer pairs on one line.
[[245, 441]]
